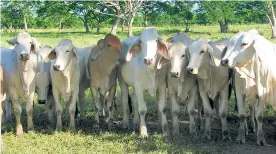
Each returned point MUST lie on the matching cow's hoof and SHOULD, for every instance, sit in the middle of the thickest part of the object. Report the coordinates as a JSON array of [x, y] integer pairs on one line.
[[97, 129], [238, 141], [207, 134], [72, 128], [144, 133], [110, 126], [226, 136], [135, 127], [262, 143], [58, 128], [260, 139], [166, 130], [19, 130]]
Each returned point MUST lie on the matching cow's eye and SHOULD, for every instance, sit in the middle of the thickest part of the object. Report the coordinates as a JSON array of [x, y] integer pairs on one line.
[[182, 56], [244, 44], [67, 50], [202, 51]]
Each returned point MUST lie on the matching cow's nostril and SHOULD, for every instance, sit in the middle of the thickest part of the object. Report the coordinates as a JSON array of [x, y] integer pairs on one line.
[[190, 70], [176, 74], [224, 62], [148, 61], [56, 67], [41, 101]]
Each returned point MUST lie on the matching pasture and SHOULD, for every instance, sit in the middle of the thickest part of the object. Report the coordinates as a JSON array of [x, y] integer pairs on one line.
[[84, 140]]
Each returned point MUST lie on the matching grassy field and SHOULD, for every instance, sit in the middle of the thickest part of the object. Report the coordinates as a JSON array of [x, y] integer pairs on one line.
[[84, 140]]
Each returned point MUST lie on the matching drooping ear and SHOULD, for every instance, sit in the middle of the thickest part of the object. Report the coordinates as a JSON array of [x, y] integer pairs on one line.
[[135, 48], [223, 52], [12, 41], [34, 45], [214, 59], [187, 53], [162, 62], [162, 49], [75, 52], [169, 40], [113, 41], [52, 55]]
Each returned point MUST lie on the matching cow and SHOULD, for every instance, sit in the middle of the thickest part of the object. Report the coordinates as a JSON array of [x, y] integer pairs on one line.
[[68, 71], [19, 66], [144, 69], [205, 64], [103, 62], [253, 56], [2, 97]]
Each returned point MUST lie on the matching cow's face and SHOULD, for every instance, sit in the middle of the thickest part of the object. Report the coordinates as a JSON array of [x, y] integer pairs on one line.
[[63, 53], [149, 45], [179, 56], [24, 45], [42, 86], [240, 49]]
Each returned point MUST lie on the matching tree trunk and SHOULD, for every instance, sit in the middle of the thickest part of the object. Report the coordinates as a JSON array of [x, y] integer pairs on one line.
[[98, 28], [146, 20], [272, 20], [85, 21], [223, 26], [131, 19], [60, 27], [123, 24], [25, 24], [10, 28]]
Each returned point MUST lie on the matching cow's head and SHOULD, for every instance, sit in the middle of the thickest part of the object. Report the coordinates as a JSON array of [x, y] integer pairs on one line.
[[150, 44], [240, 49], [64, 52], [42, 86], [24, 45], [202, 55]]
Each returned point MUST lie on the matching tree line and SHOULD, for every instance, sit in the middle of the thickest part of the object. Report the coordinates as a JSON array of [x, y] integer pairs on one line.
[[128, 13]]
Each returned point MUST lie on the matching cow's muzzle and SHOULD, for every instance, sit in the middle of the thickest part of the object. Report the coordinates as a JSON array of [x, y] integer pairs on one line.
[[175, 74], [56, 67], [224, 62], [24, 56], [192, 70], [148, 61], [41, 101]]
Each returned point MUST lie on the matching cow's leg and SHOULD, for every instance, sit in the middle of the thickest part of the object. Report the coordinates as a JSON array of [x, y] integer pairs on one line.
[[259, 117], [1, 113], [223, 110], [124, 94], [49, 108], [161, 95], [191, 111], [97, 107], [81, 101], [58, 109], [142, 109], [252, 118], [29, 110], [110, 105], [8, 110], [72, 108], [136, 119], [199, 111], [207, 113], [175, 108], [242, 113], [17, 111]]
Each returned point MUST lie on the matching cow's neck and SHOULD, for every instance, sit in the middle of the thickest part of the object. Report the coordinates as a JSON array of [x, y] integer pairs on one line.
[[69, 71]]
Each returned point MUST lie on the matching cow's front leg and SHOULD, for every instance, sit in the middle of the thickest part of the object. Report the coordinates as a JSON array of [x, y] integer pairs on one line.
[[161, 101], [97, 107], [82, 101], [29, 110], [242, 114], [191, 111], [223, 110], [110, 107], [58, 109], [136, 119], [252, 125], [142, 109], [50, 107], [72, 108], [17, 111], [124, 94], [207, 113], [258, 114]]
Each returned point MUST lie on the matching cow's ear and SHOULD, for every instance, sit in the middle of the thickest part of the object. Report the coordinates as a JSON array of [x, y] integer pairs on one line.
[[187, 53], [214, 60], [162, 62], [34, 45], [12, 41], [113, 41], [100, 43], [135, 48], [162, 49], [52, 55], [169, 40]]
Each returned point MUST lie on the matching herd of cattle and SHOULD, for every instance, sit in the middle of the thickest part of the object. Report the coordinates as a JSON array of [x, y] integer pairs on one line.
[[197, 71]]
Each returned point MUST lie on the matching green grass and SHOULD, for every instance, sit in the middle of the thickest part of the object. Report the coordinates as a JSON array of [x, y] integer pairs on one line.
[[45, 140]]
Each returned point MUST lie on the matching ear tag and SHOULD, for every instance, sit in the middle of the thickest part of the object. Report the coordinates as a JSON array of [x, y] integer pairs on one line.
[[136, 48], [99, 52]]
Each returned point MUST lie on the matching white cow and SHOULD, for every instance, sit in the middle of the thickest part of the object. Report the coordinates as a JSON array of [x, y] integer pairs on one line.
[[253, 57], [144, 70], [67, 71], [19, 65], [205, 63], [1, 99]]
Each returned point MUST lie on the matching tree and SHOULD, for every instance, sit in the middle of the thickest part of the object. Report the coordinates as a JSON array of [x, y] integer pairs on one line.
[[220, 11], [271, 17]]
